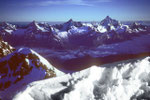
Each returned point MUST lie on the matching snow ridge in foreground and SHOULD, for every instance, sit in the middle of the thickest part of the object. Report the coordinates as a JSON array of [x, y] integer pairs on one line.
[[118, 81]]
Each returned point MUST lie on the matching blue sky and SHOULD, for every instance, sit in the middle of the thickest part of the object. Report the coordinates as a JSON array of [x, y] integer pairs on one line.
[[79, 10]]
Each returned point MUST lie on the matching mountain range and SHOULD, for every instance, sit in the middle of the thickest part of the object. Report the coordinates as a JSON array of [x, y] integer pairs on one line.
[[65, 35]]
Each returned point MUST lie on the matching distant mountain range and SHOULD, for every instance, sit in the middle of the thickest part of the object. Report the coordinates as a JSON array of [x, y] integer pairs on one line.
[[71, 34]]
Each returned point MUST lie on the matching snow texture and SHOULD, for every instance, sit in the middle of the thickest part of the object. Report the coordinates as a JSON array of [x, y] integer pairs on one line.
[[117, 81]]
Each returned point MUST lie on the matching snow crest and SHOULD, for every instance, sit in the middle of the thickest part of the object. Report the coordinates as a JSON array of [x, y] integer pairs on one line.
[[117, 81]]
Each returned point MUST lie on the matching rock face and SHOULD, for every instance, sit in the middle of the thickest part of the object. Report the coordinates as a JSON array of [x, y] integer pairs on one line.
[[5, 48], [127, 80]]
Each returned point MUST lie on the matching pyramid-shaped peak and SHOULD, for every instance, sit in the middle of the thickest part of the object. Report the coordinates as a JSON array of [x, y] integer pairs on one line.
[[107, 17], [33, 22], [108, 21], [70, 21]]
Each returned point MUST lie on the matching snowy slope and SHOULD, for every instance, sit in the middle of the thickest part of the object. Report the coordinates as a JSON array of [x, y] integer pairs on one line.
[[7, 28], [118, 81], [22, 67]]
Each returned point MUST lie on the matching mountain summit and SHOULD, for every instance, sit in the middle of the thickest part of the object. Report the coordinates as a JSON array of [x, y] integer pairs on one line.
[[7, 29], [108, 22], [66, 26]]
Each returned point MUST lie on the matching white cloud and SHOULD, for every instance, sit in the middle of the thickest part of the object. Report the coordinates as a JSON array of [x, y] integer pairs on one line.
[[66, 2]]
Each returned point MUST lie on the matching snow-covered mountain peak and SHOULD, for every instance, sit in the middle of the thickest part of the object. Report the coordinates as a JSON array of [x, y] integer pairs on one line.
[[7, 28], [70, 21], [22, 67], [5, 24], [108, 18], [35, 27], [66, 26], [33, 24], [137, 27], [108, 22]]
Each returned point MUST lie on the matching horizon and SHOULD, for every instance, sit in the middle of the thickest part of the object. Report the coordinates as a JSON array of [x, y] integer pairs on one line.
[[78, 10], [75, 20]]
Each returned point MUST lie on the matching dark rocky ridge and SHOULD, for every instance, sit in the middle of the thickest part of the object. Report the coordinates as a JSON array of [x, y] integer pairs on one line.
[[5, 48]]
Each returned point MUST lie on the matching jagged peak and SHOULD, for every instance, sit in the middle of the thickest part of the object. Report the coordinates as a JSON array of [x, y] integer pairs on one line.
[[109, 21], [70, 21], [135, 24], [33, 23], [108, 17], [9, 26], [66, 26], [36, 24], [5, 24]]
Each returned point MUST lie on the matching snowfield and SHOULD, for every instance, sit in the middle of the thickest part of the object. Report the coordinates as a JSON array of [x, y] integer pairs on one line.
[[117, 81]]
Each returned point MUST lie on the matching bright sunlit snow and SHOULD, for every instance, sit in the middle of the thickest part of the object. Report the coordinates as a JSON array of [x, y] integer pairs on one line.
[[118, 81]]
